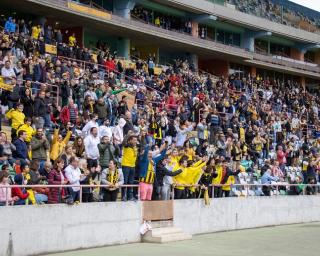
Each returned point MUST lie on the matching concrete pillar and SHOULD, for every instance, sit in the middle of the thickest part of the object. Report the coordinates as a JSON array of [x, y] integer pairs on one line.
[[123, 7], [317, 57], [303, 82], [253, 71], [195, 29], [248, 41], [123, 47], [296, 54], [195, 61]]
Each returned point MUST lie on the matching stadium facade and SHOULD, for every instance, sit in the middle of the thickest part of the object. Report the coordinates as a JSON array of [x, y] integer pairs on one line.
[[222, 40]]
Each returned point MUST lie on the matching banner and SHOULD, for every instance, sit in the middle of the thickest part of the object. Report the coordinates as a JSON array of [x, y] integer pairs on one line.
[[6, 87], [51, 49], [88, 10], [157, 71]]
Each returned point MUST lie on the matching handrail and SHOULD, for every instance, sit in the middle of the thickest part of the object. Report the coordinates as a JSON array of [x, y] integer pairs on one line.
[[247, 186], [115, 71]]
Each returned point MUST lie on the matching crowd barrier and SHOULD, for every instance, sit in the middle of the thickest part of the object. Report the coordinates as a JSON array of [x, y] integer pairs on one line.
[[246, 187]]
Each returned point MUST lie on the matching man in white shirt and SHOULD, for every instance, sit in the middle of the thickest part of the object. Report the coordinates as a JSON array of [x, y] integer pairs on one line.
[[92, 123], [7, 72], [295, 122], [91, 147], [73, 174], [105, 129]]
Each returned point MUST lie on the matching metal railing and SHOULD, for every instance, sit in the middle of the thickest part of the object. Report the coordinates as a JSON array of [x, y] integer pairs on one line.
[[287, 63], [7, 187], [246, 187]]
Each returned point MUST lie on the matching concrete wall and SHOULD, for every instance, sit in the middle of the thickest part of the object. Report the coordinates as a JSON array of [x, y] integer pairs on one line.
[[194, 217], [49, 228], [245, 19]]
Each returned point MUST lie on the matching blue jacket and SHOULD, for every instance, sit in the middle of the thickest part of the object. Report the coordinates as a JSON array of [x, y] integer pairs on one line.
[[10, 26], [267, 178], [21, 149], [144, 162]]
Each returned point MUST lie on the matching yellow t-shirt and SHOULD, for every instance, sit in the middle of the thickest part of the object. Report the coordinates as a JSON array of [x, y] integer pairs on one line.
[[35, 32], [129, 157], [72, 41]]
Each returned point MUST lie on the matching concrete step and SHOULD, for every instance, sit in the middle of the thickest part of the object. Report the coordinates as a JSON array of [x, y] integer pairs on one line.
[[165, 235], [164, 231], [161, 223]]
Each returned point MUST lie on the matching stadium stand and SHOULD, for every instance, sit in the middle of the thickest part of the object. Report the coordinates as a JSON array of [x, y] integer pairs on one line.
[[86, 116]]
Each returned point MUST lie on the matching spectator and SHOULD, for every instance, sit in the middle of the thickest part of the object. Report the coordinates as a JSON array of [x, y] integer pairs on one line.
[[78, 147], [21, 152], [40, 147], [91, 147], [57, 177], [58, 144], [17, 119], [113, 177], [40, 110], [21, 193], [129, 158], [27, 128], [74, 175], [5, 191], [69, 113]]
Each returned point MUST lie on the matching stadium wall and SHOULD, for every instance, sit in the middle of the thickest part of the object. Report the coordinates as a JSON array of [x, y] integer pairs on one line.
[[52, 228], [227, 214]]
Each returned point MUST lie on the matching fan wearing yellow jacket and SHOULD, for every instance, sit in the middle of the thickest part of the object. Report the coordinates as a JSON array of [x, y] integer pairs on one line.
[[58, 144], [129, 159], [16, 116], [190, 175]]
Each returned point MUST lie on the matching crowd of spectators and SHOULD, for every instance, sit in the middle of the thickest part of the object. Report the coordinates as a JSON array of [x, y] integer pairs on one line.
[[269, 10], [185, 132], [162, 20]]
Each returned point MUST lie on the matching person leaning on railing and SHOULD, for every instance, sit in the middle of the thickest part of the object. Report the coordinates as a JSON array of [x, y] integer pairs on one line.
[[129, 159], [57, 177], [5, 190], [113, 177]]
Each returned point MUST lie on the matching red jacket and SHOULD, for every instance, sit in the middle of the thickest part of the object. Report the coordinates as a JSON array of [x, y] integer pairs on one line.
[[110, 65], [65, 114], [19, 193], [55, 194]]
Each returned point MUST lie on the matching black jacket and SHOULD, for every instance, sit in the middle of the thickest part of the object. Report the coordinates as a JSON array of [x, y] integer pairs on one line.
[[40, 107], [162, 171]]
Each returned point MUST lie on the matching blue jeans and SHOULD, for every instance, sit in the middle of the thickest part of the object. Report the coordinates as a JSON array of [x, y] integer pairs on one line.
[[20, 202], [40, 198], [47, 121], [128, 175], [76, 195]]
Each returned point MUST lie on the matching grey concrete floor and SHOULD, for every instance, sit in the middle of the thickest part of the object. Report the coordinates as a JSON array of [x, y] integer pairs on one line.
[[291, 240]]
